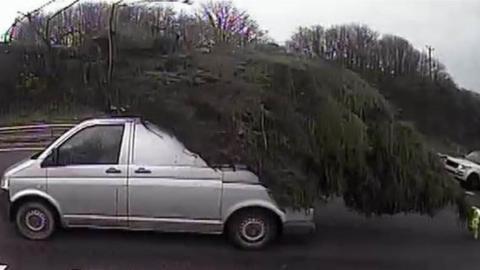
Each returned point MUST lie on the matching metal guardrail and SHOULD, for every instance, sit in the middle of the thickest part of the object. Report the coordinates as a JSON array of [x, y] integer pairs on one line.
[[30, 137]]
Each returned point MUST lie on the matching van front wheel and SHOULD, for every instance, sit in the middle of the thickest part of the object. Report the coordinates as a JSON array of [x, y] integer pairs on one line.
[[35, 221]]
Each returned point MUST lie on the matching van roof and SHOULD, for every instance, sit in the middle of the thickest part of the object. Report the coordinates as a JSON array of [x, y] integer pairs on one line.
[[110, 120]]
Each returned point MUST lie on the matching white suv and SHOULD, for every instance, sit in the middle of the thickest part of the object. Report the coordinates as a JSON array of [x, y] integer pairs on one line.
[[465, 169]]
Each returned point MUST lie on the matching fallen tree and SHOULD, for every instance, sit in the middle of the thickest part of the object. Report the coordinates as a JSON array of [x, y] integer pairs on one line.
[[310, 130]]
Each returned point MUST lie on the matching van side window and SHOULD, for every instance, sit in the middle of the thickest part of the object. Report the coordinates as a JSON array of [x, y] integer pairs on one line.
[[155, 147], [93, 145]]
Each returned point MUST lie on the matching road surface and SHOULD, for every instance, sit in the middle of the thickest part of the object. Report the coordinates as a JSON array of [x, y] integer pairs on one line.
[[344, 240]]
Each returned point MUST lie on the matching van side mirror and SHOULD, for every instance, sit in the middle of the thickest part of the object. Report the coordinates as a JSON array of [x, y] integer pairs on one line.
[[51, 160]]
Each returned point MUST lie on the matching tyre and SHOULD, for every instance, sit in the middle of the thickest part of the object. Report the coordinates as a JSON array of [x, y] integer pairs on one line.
[[252, 229], [35, 220], [473, 181]]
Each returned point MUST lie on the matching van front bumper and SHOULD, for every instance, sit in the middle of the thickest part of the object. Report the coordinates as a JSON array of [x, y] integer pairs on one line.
[[4, 205], [299, 227], [299, 221]]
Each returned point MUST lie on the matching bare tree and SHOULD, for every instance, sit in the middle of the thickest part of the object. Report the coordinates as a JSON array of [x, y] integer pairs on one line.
[[361, 49], [230, 24], [309, 41]]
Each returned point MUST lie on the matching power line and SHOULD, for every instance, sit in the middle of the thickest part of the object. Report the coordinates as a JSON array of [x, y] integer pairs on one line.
[[43, 6], [26, 15]]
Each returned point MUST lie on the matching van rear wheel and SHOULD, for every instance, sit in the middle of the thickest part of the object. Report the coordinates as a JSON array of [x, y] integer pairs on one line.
[[35, 221], [252, 229]]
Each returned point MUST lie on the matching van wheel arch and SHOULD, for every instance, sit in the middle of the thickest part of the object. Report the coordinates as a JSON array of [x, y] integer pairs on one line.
[[33, 198], [266, 210]]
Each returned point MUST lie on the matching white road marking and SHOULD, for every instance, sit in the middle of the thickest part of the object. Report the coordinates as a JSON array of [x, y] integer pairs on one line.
[[469, 193], [3, 267]]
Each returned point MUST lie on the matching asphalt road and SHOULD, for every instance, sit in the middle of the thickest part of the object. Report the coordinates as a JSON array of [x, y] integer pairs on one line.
[[343, 240]]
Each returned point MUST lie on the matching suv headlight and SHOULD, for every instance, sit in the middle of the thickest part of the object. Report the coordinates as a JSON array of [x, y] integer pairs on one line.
[[4, 183], [463, 167]]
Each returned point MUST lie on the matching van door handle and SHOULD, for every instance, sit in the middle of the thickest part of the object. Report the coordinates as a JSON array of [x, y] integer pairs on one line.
[[143, 171], [113, 171]]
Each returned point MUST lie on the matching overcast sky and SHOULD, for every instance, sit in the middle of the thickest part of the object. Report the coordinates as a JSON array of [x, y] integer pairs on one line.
[[451, 26]]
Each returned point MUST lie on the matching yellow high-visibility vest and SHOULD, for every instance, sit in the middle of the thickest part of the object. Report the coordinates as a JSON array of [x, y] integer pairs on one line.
[[474, 221]]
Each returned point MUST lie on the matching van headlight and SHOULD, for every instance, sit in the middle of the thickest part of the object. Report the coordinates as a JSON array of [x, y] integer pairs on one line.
[[4, 183]]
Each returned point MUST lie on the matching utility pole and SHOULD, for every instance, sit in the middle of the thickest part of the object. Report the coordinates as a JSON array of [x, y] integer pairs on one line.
[[430, 69]]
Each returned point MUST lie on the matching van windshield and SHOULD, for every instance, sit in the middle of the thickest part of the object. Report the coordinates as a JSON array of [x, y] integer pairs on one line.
[[36, 155]]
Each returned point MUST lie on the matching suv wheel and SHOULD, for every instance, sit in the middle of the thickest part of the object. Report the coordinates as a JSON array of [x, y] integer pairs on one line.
[[473, 181], [35, 221], [253, 229]]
